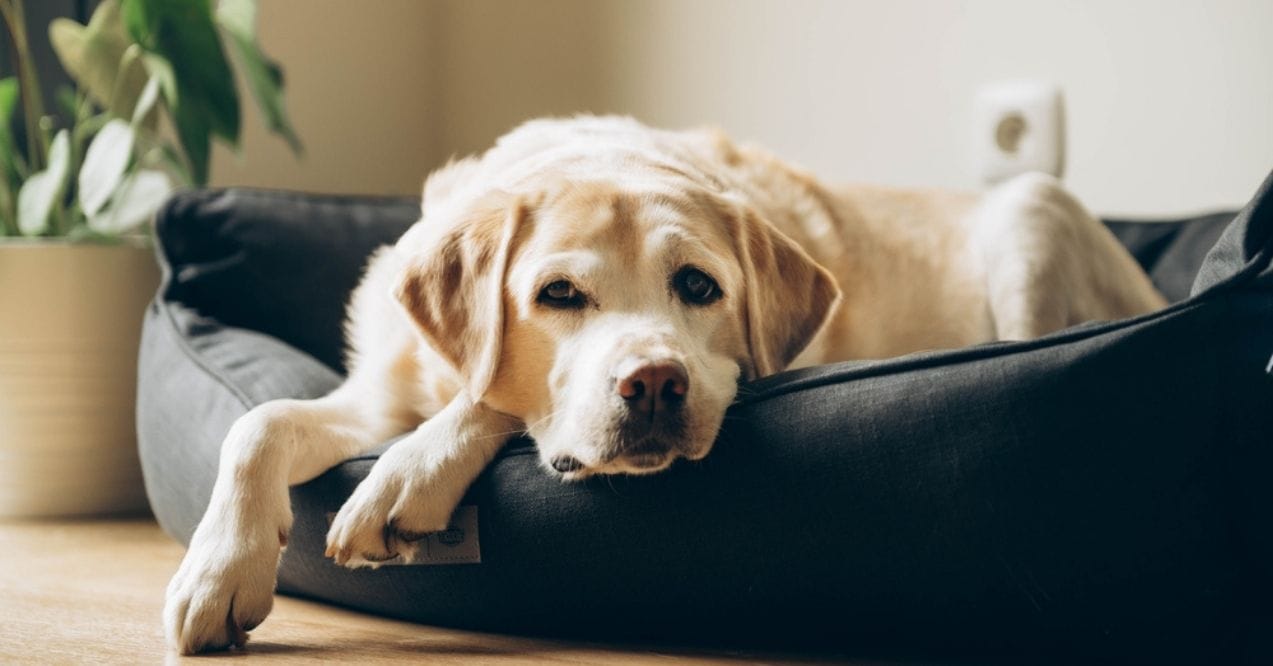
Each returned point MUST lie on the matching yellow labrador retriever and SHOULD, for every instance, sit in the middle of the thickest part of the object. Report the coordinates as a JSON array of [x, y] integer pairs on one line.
[[603, 287]]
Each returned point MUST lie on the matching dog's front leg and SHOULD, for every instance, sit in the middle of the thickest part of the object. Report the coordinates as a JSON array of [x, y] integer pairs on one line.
[[414, 487], [225, 584]]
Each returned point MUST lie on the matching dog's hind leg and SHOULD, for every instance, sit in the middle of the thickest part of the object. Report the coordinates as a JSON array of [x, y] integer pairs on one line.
[[225, 584], [1049, 264]]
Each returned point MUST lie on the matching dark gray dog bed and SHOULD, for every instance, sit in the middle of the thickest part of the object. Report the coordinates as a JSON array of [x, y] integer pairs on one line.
[[1099, 493]]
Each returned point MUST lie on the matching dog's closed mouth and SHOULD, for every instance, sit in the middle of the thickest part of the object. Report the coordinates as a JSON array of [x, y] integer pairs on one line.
[[647, 447], [646, 460], [642, 456], [645, 455]]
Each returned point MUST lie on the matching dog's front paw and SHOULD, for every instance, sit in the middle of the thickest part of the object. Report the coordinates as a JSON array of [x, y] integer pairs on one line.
[[398, 504], [223, 589]]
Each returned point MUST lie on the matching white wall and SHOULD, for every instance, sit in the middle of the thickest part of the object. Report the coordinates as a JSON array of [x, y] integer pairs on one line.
[[1170, 103]]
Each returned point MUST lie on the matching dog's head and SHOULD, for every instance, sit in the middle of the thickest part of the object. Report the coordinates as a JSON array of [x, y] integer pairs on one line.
[[614, 321]]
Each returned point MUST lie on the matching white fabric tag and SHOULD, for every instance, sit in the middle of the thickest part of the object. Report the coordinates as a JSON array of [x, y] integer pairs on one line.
[[457, 544]]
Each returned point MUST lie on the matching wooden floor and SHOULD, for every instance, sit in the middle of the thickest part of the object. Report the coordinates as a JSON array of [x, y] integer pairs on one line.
[[91, 592]]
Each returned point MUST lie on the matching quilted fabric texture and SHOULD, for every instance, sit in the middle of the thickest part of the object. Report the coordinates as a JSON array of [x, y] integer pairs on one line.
[[1097, 494]]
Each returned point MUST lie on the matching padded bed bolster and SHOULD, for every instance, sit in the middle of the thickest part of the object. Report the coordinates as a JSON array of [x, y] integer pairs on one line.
[[1096, 494]]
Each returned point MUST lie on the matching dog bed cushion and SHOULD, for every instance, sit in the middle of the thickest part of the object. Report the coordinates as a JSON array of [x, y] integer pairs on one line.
[[1098, 493]]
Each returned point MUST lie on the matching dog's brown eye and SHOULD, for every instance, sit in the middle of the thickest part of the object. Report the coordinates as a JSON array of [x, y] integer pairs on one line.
[[561, 294], [696, 287]]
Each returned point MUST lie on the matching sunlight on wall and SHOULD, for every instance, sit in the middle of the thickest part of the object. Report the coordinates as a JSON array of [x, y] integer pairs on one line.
[[1168, 102]]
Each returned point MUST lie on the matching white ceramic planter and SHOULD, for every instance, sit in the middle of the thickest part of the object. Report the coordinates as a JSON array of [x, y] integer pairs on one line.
[[70, 322]]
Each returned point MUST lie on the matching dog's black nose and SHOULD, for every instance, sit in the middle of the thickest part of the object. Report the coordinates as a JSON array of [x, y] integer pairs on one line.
[[654, 387], [566, 464]]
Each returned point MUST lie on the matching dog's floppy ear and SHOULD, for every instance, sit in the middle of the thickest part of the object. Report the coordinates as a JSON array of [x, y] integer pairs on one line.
[[453, 289], [789, 295]]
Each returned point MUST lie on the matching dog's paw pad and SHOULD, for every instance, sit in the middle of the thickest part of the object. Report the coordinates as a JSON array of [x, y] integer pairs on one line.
[[221, 591]]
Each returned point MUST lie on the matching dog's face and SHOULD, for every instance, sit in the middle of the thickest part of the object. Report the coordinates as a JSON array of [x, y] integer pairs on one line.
[[623, 311], [614, 322]]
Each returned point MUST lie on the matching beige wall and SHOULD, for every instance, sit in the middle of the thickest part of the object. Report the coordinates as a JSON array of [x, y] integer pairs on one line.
[[360, 92], [1169, 103]]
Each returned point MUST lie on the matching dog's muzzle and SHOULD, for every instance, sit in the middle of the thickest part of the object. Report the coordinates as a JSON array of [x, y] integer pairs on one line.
[[650, 420], [653, 415]]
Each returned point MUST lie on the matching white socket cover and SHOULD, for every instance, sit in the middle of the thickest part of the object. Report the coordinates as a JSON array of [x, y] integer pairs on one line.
[[1019, 126]]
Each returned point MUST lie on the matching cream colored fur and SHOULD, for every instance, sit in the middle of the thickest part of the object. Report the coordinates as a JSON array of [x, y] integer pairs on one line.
[[451, 342]]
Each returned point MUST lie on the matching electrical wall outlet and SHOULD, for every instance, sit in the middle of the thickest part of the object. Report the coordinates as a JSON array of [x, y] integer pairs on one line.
[[1019, 127]]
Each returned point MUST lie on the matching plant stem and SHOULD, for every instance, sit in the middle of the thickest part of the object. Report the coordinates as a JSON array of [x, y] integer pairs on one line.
[[28, 82], [8, 219]]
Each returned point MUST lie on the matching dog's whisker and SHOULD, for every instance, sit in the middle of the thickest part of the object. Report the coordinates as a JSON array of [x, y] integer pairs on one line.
[[539, 421]]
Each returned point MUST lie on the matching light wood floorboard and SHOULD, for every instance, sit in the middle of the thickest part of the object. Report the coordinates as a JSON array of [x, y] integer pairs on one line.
[[92, 591]]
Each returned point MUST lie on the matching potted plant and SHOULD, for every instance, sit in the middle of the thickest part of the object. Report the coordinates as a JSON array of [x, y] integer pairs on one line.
[[153, 88]]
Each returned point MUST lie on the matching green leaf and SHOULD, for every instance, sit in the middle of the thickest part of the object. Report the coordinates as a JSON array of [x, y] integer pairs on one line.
[[94, 54], [134, 204], [67, 104], [8, 104], [104, 164], [194, 132], [42, 191], [183, 49], [264, 78], [10, 174], [8, 101]]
